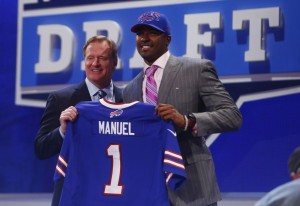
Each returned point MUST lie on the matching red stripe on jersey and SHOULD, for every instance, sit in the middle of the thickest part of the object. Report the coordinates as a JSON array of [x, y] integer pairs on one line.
[[173, 154], [176, 164], [60, 171]]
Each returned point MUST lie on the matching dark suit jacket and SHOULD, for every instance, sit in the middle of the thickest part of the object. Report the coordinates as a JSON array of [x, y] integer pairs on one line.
[[48, 141], [192, 85]]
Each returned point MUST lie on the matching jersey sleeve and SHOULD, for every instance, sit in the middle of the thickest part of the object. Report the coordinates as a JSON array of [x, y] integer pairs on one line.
[[173, 163]]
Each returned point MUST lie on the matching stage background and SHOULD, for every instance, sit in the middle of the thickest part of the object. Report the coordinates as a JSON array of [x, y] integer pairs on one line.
[[267, 90]]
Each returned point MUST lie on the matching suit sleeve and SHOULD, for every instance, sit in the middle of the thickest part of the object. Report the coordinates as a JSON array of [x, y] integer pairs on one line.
[[48, 140], [221, 113]]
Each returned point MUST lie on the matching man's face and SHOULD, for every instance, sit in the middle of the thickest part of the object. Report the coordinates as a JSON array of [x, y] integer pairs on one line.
[[99, 64], [151, 43]]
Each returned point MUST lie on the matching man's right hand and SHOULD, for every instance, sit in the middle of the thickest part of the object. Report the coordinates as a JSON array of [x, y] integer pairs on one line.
[[69, 114]]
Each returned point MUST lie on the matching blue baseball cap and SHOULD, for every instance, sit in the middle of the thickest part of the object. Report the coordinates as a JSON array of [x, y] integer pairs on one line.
[[153, 19]]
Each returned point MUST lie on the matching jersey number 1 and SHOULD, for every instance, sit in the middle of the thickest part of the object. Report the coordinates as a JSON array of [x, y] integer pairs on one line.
[[114, 188]]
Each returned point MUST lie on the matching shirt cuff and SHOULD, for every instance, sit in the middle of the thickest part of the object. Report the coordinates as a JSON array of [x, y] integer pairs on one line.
[[61, 134]]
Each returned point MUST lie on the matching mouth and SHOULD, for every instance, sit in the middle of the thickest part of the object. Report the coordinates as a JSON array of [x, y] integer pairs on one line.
[[145, 47], [96, 70]]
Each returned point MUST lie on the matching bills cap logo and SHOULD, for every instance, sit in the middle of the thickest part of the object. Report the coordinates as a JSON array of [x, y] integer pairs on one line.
[[116, 113], [149, 16], [153, 19]]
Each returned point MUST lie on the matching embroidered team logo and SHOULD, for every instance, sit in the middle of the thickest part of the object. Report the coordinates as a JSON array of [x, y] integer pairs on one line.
[[149, 16], [116, 113]]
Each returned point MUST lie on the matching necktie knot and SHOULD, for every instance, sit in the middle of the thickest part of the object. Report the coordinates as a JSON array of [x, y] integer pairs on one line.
[[100, 94], [151, 70]]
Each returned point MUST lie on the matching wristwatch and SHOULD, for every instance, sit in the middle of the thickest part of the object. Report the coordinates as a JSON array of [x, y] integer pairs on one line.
[[191, 121]]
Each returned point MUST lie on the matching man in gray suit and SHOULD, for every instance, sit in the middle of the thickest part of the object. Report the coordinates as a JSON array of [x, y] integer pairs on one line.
[[100, 58], [190, 95]]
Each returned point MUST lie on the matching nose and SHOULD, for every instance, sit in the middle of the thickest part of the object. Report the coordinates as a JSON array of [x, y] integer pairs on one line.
[[96, 62], [144, 36]]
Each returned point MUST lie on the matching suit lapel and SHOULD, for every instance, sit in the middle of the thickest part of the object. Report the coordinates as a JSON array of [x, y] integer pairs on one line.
[[81, 93], [140, 86], [118, 94], [136, 93], [169, 75]]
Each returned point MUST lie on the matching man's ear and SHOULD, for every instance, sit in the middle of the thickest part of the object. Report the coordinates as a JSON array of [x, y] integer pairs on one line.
[[294, 175], [169, 38], [115, 64]]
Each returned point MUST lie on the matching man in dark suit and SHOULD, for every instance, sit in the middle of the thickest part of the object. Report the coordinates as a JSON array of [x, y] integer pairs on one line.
[[190, 95], [100, 57]]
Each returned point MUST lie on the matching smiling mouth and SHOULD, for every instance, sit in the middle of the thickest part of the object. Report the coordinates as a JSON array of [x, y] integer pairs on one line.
[[145, 47], [96, 70]]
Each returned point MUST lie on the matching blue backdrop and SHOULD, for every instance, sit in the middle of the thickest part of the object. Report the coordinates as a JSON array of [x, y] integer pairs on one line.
[[267, 91]]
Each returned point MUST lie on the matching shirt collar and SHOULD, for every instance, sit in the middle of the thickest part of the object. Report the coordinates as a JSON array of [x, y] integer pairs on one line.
[[93, 89], [161, 61]]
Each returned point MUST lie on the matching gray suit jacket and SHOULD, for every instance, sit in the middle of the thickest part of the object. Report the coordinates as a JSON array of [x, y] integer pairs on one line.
[[192, 85]]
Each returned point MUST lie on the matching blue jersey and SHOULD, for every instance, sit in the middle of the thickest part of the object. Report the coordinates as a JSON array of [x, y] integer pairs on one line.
[[119, 154]]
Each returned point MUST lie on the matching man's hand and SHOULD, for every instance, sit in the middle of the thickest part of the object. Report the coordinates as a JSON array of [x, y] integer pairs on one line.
[[69, 114], [168, 112]]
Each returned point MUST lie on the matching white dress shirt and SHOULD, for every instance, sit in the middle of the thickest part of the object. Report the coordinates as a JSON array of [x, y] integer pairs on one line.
[[93, 90], [161, 63]]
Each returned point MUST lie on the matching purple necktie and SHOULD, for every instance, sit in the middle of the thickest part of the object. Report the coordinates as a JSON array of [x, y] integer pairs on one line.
[[151, 88]]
